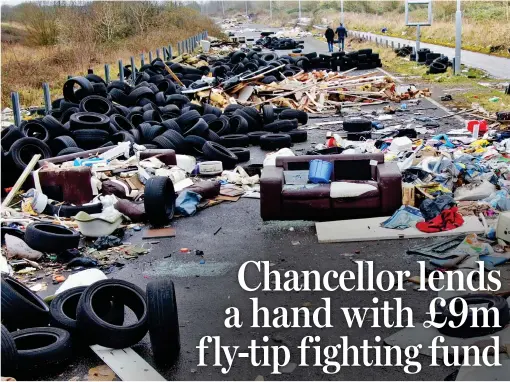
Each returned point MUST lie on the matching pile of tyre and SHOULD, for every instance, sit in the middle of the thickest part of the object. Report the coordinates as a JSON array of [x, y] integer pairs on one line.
[[38, 338], [362, 59], [436, 62], [358, 129], [228, 70], [283, 43], [404, 51], [151, 111]]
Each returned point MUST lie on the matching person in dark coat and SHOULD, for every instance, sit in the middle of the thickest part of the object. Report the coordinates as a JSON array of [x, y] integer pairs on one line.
[[342, 34], [330, 37]]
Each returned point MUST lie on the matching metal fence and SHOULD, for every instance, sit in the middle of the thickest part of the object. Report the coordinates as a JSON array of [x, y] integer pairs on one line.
[[185, 46]]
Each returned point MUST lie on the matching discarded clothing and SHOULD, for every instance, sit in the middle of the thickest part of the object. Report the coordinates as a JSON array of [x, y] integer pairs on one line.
[[430, 208], [186, 203], [473, 247], [404, 217], [448, 220]]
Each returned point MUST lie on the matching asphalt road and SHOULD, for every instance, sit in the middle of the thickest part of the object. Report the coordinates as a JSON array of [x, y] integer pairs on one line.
[[205, 291], [498, 67]]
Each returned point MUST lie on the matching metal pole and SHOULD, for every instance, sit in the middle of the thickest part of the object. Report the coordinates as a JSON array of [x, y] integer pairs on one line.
[[107, 73], [150, 57], [246, 4], [142, 59], [458, 37], [133, 69], [418, 32], [16, 108], [121, 71], [47, 98], [170, 53], [342, 11], [271, 9], [179, 49], [157, 52], [299, 9]]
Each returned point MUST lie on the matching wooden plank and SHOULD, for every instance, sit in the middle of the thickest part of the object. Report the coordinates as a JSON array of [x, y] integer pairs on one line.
[[24, 175], [370, 229], [127, 364], [159, 232]]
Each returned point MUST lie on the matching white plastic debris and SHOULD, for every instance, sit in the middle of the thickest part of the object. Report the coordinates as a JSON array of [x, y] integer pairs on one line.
[[83, 278], [270, 159], [18, 248], [400, 144], [186, 162]]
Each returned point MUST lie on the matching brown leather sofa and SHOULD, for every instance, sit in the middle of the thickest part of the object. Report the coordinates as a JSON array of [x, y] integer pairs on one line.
[[278, 203]]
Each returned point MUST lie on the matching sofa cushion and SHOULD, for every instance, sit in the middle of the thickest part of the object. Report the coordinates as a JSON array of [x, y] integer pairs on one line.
[[308, 191], [356, 203], [353, 190]]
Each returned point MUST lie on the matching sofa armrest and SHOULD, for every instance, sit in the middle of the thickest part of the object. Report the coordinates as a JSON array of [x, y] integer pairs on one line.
[[389, 180], [271, 186]]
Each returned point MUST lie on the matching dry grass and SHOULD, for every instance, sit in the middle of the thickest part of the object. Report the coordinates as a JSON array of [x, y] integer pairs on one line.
[[25, 66]]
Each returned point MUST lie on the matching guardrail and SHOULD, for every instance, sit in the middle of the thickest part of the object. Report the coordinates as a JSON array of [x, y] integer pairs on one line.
[[185, 46], [379, 41]]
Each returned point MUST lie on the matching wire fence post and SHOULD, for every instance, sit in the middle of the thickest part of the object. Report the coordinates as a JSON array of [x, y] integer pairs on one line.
[[157, 52], [107, 73], [178, 48], [121, 71], [142, 59], [150, 57], [16, 108], [47, 98], [170, 52], [133, 69]]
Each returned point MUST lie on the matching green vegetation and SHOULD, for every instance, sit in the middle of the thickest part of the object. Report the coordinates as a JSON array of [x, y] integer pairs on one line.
[[47, 42]]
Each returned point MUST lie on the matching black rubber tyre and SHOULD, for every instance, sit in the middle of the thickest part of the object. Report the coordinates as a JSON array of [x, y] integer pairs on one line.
[[120, 122], [159, 200], [229, 110], [116, 84], [212, 136], [243, 154], [163, 142], [221, 126], [275, 141], [177, 99], [437, 67], [465, 330], [148, 132], [253, 125], [188, 119], [119, 97], [269, 57], [91, 139], [103, 333], [49, 237], [282, 125], [69, 211], [54, 127], [200, 128], [60, 143], [9, 353], [300, 115], [70, 150], [142, 92], [176, 139], [195, 144], [215, 151], [254, 137], [298, 136], [357, 125], [85, 89], [38, 348], [24, 149], [252, 112], [35, 129], [362, 136], [86, 120], [152, 115], [235, 140], [64, 307], [268, 114], [209, 117], [21, 308], [10, 135], [170, 124], [96, 104], [163, 321], [66, 115], [136, 134]]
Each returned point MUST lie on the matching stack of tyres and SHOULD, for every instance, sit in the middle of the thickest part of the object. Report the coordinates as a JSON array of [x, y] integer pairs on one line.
[[439, 65], [362, 59], [358, 129]]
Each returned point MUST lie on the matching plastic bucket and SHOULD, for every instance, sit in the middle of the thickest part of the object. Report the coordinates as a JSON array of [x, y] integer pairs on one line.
[[320, 171], [482, 126]]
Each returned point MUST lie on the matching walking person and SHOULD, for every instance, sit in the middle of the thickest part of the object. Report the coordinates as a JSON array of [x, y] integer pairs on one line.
[[330, 38], [342, 34]]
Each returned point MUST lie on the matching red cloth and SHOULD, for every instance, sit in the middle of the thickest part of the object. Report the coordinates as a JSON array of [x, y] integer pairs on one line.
[[446, 221]]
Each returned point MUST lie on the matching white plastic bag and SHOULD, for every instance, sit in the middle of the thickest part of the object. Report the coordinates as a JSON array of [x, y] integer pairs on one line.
[[270, 159]]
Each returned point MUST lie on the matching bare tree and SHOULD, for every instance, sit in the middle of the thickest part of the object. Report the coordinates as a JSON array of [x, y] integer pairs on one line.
[[108, 19]]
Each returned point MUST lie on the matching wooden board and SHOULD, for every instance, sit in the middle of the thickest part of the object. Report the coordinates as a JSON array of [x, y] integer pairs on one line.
[[127, 364], [159, 232], [370, 229]]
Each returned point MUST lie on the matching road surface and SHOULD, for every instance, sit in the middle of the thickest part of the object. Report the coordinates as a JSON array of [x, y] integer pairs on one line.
[[498, 67]]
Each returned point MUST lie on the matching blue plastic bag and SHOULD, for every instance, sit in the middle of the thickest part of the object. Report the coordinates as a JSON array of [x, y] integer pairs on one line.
[[186, 203]]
